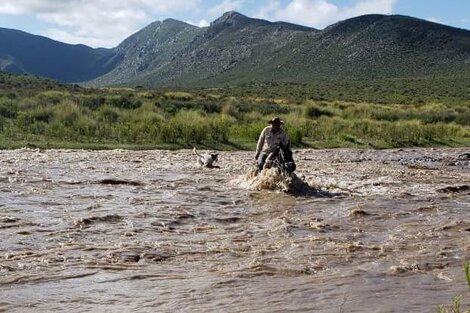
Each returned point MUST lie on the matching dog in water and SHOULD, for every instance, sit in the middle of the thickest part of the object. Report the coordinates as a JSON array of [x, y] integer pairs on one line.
[[207, 159]]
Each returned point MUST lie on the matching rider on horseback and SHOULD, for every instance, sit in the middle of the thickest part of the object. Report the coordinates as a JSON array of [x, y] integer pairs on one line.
[[272, 140]]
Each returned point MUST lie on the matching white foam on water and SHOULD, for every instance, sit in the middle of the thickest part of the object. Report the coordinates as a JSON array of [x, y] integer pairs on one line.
[[268, 179], [273, 179]]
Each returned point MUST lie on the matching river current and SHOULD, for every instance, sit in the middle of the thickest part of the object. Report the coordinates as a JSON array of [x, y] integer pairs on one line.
[[151, 231]]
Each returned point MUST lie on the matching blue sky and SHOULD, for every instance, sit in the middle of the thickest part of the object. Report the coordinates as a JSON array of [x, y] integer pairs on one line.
[[105, 23]]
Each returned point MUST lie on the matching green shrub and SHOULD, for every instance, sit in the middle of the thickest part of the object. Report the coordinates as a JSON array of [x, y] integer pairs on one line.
[[248, 132], [108, 114], [178, 95], [52, 97], [27, 103], [219, 129], [93, 101], [191, 126], [313, 111], [296, 135], [124, 102], [66, 112], [8, 108], [270, 109]]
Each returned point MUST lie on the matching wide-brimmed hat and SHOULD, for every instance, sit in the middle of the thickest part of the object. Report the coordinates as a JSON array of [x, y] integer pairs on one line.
[[276, 120]]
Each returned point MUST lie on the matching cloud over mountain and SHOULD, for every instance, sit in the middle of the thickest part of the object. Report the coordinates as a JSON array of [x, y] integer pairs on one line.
[[94, 22], [320, 13]]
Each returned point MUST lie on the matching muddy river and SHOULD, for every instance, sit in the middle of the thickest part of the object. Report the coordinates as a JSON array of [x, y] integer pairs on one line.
[[150, 231]]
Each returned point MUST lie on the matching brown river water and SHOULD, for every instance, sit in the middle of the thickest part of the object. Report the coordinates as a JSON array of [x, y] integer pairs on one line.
[[150, 231]]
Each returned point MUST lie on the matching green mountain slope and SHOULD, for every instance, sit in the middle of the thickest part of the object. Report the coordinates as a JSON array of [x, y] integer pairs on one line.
[[149, 50], [236, 49], [21, 52], [11, 84], [378, 46], [231, 44]]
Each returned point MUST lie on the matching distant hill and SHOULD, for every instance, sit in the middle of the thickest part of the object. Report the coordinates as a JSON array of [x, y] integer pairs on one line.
[[10, 83], [21, 52], [236, 49]]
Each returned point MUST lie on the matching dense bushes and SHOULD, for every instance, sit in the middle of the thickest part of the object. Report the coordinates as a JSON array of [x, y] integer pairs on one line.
[[8, 107]]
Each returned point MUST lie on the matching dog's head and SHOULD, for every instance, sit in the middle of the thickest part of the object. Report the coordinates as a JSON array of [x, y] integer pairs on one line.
[[214, 156]]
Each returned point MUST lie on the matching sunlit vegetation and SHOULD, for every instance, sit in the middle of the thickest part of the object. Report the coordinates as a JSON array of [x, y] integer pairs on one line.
[[43, 114]]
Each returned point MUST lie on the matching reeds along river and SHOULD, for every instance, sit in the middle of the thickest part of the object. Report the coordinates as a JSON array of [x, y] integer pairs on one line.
[[149, 231]]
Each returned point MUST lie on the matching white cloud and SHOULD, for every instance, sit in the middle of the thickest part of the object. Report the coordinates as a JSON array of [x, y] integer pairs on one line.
[[201, 23], [321, 13], [95, 22], [225, 6], [75, 38], [268, 9], [10, 8], [106, 22]]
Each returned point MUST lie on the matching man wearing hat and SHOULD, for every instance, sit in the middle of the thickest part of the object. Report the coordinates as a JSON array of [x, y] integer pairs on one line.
[[271, 138]]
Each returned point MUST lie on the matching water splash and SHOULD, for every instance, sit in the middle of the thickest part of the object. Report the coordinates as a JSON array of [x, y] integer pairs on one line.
[[273, 179]]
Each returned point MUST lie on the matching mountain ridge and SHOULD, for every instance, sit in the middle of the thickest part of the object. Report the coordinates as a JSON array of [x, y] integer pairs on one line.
[[237, 49], [21, 52]]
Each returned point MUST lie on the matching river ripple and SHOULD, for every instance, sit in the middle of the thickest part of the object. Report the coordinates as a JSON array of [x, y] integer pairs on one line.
[[149, 231]]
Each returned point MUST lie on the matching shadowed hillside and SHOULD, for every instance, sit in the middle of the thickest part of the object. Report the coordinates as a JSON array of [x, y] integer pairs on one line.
[[21, 52]]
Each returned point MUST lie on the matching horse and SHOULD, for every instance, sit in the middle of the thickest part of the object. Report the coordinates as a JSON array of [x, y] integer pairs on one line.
[[281, 158]]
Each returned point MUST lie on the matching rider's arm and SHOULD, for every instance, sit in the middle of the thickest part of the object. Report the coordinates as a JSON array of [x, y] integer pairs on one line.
[[260, 144], [286, 140]]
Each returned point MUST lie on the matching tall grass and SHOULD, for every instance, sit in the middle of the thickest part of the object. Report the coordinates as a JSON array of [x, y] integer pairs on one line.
[[186, 118]]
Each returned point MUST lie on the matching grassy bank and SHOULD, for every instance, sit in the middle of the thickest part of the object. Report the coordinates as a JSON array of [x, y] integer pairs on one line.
[[58, 116]]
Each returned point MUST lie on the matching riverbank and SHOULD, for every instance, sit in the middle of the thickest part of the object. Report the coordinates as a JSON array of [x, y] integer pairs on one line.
[[232, 118]]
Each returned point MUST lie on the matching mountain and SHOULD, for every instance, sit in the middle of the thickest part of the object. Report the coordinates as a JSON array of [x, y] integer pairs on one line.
[[21, 52], [236, 49], [148, 50], [379, 46], [175, 53]]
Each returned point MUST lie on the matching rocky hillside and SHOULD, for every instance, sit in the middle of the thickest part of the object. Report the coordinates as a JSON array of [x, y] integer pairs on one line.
[[149, 50], [174, 53], [236, 49]]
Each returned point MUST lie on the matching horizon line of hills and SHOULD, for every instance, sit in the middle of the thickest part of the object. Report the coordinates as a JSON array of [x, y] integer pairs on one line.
[[236, 49]]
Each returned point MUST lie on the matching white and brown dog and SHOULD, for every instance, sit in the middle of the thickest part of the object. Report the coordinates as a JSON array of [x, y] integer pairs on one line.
[[207, 159]]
